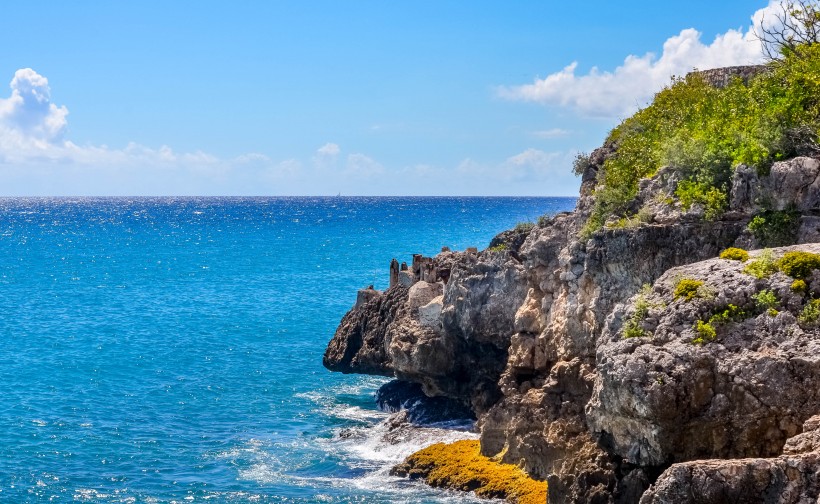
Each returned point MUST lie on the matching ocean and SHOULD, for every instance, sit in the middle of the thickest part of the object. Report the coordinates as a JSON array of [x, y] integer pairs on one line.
[[170, 349]]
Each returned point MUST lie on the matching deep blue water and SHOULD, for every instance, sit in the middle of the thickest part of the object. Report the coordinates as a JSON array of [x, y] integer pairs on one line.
[[169, 349]]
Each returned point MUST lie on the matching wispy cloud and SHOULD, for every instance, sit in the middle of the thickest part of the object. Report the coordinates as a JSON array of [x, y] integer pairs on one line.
[[550, 133], [617, 93]]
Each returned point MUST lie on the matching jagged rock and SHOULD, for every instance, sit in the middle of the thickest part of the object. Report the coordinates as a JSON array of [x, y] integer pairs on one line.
[[793, 478], [531, 338], [795, 184], [663, 398]]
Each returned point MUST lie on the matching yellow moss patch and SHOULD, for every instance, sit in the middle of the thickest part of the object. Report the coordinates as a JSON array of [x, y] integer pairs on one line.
[[461, 466]]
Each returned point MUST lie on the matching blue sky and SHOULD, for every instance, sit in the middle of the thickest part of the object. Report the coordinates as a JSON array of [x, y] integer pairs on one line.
[[327, 97]]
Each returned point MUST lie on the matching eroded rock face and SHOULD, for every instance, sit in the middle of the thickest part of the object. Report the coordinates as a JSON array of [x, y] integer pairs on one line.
[[665, 397], [793, 478], [452, 339], [532, 338]]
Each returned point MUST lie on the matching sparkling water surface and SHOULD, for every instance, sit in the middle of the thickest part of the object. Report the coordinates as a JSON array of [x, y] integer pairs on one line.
[[169, 349]]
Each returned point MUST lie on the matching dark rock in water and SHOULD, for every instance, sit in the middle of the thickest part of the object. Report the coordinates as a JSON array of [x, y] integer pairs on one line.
[[400, 395]]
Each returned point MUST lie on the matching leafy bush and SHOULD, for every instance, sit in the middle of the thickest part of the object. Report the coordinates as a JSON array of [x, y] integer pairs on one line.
[[713, 200], [735, 254], [702, 132], [775, 228], [799, 264], [706, 332], [730, 314], [499, 248], [765, 299], [580, 163], [810, 313], [799, 286], [688, 288], [762, 266]]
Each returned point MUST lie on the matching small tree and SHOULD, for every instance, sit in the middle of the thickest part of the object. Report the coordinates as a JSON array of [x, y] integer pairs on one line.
[[796, 23]]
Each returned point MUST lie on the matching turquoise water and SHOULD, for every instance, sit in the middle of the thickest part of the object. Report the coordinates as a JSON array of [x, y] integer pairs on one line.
[[169, 349]]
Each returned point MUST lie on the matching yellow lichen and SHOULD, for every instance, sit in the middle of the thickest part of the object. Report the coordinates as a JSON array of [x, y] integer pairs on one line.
[[461, 466]]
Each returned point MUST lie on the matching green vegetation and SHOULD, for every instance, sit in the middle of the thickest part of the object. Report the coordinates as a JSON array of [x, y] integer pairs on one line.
[[775, 228], [762, 266], [580, 163], [735, 254], [632, 327], [501, 247], [524, 227], [703, 132], [688, 289], [799, 286], [461, 466], [799, 264], [766, 300], [810, 313], [706, 332]]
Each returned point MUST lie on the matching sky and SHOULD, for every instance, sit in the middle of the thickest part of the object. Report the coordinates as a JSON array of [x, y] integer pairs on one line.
[[327, 97]]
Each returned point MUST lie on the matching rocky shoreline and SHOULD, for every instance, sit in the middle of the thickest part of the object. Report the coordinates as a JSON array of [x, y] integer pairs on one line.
[[529, 334]]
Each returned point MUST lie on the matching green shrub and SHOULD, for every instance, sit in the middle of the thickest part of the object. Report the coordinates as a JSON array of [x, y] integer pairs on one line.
[[765, 299], [762, 266], [706, 333], [799, 264], [580, 163], [632, 327], [799, 286], [499, 248], [688, 288], [775, 228], [702, 132], [729, 314], [735, 254], [712, 199], [810, 313], [524, 227]]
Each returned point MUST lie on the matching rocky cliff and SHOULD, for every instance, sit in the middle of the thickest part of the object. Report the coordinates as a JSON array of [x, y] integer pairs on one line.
[[587, 368]]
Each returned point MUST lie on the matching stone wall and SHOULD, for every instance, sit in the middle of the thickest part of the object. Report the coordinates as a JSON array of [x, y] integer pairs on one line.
[[721, 77]]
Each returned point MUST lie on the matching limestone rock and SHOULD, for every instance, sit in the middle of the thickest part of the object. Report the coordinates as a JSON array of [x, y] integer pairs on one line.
[[664, 398]]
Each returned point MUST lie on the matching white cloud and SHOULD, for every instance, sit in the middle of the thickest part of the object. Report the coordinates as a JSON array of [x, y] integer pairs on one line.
[[550, 133], [613, 94], [363, 166], [28, 112], [328, 150]]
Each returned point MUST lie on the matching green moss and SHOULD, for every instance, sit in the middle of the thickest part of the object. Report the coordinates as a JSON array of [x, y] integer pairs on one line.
[[461, 466], [810, 314], [799, 264], [762, 266], [775, 228], [688, 289], [735, 254], [799, 286]]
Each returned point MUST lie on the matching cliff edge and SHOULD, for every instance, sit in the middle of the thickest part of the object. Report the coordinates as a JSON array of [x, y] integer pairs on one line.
[[611, 352]]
